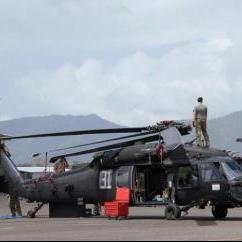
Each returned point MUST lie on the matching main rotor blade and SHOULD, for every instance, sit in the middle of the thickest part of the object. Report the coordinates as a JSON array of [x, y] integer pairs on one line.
[[183, 128], [3, 136], [108, 147], [81, 132], [102, 141]]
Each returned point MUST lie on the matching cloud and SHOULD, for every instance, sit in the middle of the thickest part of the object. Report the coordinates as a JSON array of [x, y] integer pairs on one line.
[[95, 24], [171, 52], [5, 117], [140, 88], [220, 44]]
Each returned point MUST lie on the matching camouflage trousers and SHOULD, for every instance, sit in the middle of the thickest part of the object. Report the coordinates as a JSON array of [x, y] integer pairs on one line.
[[14, 205], [201, 129]]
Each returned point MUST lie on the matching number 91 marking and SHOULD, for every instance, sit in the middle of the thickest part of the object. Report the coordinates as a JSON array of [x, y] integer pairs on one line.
[[105, 179]]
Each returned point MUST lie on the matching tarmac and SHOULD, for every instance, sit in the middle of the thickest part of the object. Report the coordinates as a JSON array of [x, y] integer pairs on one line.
[[143, 224]]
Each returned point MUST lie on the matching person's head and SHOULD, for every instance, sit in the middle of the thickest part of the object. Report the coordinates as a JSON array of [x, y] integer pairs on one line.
[[200, 100]]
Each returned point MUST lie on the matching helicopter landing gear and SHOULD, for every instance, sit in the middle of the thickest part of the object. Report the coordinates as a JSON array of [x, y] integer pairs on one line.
[[32, 213], [219, 212], [172, 212], [97, 210]]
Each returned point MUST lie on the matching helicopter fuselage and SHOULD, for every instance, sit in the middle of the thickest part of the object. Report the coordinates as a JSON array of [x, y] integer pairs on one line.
[[202, 180]]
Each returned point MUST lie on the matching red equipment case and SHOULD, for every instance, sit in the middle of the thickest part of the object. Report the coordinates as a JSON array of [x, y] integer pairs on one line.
[[120, 207], [116, 209], [123, 195]]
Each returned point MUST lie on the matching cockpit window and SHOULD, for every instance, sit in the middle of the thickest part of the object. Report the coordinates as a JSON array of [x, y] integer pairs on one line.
[[232, 170], [187, 177], [210, 173]]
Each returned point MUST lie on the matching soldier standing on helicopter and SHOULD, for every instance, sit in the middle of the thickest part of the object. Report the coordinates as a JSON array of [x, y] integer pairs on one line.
[[200, 114]]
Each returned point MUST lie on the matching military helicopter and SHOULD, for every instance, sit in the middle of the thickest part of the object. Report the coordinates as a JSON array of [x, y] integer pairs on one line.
[[152, 161]]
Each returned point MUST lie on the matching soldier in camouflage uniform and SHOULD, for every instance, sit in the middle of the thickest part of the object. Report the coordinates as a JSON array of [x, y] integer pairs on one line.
[[14, 203], [200, 113]]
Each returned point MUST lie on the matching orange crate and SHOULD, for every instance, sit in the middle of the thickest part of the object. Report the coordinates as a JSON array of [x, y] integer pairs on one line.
[[116, 209]]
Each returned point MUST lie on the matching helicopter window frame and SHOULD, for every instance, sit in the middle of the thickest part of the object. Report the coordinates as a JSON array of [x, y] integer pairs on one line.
[[187, 177], [211, 172], [229, 172]]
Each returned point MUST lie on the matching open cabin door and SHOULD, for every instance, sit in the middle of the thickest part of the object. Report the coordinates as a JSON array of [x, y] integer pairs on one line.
[[149, 184]]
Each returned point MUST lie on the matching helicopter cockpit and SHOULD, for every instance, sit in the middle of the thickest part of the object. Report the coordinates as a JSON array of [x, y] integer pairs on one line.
[[213, 179], [219, 168], [232, 170]]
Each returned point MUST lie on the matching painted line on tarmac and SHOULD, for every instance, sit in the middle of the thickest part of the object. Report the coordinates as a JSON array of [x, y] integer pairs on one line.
[[89, 224], [9, 228], [231, 239]]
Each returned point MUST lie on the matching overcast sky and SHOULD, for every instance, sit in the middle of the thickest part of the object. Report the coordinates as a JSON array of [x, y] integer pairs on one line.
[[132, 62]]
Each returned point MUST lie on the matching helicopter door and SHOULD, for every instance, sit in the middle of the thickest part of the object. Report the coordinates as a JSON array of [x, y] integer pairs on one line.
[[214, 185], [139, 188], [187, 183]]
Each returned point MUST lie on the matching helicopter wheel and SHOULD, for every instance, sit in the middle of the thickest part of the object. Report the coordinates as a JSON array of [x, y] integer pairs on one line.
[[219, 212], [172, 212]]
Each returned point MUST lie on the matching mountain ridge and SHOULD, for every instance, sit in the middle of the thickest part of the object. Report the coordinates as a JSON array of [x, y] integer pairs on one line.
[[223, 132]]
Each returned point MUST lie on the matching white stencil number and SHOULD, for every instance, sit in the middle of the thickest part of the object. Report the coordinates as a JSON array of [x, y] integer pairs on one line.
[[105, 179]]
